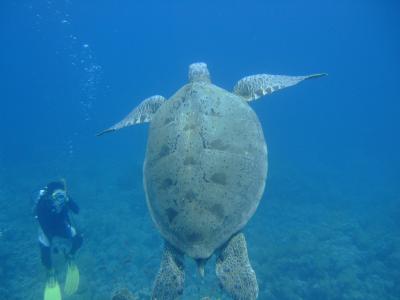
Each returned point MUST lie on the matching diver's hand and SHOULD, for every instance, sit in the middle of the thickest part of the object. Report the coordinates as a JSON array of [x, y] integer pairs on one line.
[[73, 206]]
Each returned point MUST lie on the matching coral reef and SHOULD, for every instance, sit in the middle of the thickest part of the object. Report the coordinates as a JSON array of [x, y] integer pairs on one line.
[[304, 242], [123, 294]]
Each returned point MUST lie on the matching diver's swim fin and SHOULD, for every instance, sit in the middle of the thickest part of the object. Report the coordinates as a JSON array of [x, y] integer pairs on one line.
[[52, 290], [71, 279]]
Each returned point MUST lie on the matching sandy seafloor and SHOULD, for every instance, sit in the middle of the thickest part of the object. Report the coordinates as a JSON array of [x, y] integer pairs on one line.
[[311, 237]]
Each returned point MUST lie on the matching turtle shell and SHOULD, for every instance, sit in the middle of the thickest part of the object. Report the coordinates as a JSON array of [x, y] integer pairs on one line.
[[205, 167]]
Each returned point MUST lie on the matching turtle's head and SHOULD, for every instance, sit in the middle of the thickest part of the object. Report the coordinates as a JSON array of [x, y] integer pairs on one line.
[[198, 72]]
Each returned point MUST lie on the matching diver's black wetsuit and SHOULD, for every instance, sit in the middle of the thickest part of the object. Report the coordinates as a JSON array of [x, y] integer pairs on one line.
[[55, 223]]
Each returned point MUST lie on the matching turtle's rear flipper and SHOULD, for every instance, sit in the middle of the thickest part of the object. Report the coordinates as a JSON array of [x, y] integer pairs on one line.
[[234, 271], [255, 86], [141, 114], [171, 276]]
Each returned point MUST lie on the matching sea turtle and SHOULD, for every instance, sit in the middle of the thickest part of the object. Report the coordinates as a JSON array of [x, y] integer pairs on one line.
[[204, 175]]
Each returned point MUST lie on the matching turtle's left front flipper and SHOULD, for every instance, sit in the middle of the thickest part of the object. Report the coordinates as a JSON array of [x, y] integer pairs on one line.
[[141, 114], [255, 86]]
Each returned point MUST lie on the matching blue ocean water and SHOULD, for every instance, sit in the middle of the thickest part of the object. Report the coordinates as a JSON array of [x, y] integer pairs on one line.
[[328, 225]]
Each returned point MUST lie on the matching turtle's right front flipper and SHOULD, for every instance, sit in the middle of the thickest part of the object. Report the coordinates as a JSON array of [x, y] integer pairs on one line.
[[255, 86], [170, 279], [141, 114]]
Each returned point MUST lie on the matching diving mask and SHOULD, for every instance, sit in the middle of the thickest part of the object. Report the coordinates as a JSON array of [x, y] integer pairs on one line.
[[59, 199]]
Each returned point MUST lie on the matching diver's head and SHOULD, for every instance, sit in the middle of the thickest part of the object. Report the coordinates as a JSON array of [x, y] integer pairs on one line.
[[58, 195], [55, 185]]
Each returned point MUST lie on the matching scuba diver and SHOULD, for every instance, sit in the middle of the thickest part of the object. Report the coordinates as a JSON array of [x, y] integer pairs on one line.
[[51, 210]]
